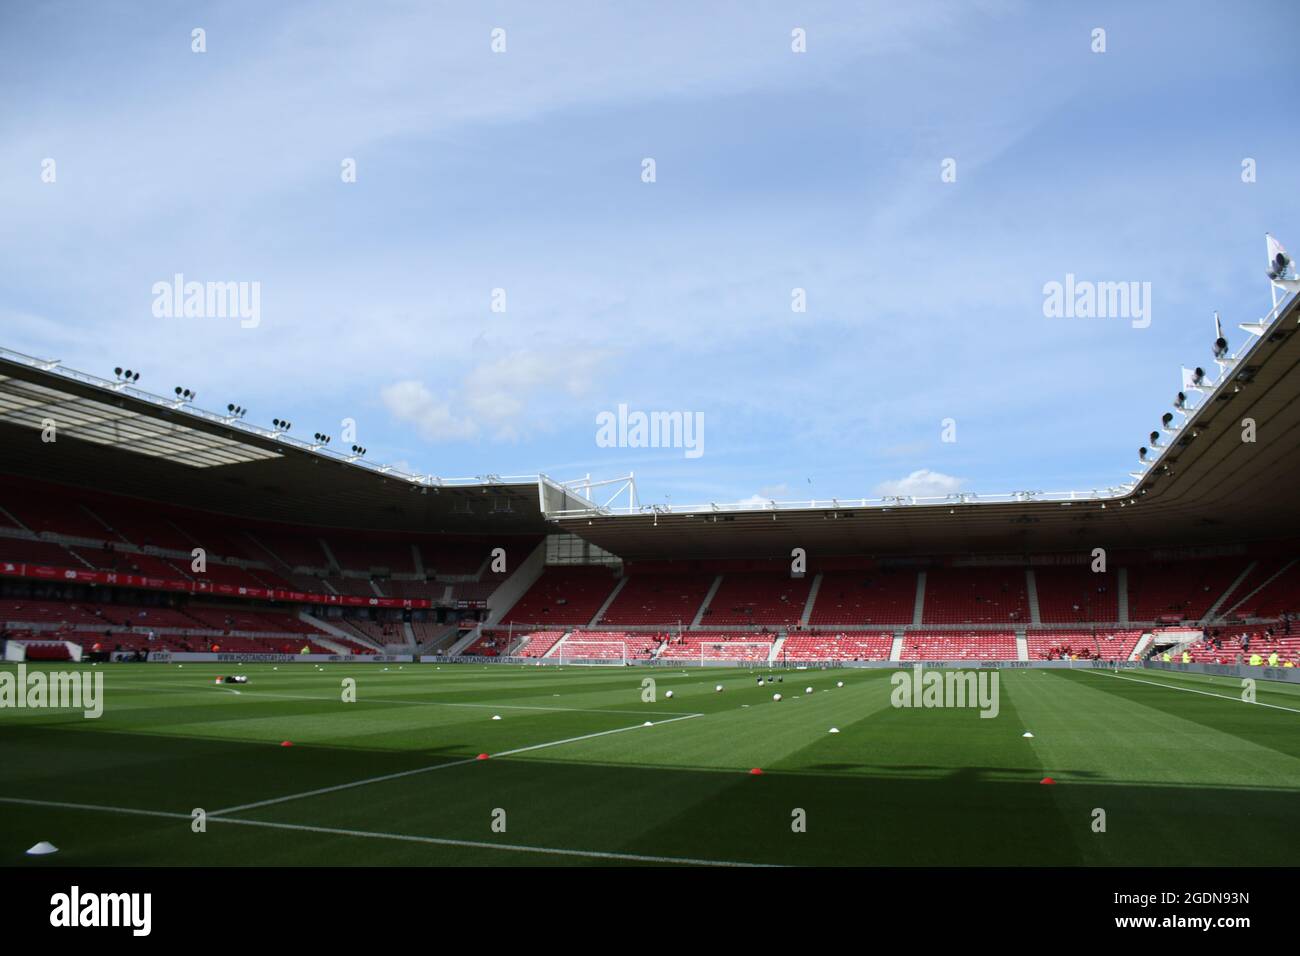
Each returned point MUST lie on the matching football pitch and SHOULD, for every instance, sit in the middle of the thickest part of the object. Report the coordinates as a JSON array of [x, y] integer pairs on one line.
[[582, 770]]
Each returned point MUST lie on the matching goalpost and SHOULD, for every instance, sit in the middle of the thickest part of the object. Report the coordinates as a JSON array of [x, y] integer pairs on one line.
[[592, 653], [734, 652]]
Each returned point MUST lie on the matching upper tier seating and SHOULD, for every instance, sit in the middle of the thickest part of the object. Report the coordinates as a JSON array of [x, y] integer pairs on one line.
[[564, 594], [976, 596], [758, 598], [865, 597], [1185, 590], [1279, 596], [658, 599], [1076, 594]]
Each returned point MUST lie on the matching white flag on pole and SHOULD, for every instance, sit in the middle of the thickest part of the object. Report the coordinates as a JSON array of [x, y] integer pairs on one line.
[[1278, 260]]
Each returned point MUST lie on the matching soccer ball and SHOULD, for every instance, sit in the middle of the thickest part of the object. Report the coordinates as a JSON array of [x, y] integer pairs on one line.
[[776, 697], [839, 683], [669, 695], [718, 688], [807, 690]]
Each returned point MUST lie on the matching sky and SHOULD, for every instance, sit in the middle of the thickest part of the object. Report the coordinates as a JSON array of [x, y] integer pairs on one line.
[[499, 272]]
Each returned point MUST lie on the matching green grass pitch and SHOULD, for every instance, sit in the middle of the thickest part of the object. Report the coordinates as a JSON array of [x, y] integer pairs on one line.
[[1185, 771]]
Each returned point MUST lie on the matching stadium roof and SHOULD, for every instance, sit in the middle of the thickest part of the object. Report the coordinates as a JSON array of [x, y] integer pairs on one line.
[[113, 437], [1207, 487]]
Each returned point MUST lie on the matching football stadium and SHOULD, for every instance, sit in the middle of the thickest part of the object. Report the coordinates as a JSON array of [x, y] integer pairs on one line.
[[443, 676], [307, 566]]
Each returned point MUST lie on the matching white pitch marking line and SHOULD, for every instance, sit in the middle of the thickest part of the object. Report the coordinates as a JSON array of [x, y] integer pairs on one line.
[[1192, 690], [406, 838], [440, 766]]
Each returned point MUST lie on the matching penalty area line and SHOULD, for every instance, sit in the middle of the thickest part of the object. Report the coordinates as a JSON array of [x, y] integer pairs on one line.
[[1205, 693], [440, 766], [399, 837]]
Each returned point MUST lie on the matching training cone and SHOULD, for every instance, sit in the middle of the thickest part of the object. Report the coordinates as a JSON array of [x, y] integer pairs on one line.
[[286, 743], [44, 848], [647, 724], [756, 772], [482, 757], [833, 730], [496, 716], [1047, 780], [1026, 734]]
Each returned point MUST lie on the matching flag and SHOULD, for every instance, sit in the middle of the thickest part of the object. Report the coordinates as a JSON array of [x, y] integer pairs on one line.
[[1278, 260]]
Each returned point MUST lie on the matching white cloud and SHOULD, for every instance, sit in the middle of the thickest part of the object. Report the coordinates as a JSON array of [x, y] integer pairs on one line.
[[503, 396], [923, 483], [413, 403]]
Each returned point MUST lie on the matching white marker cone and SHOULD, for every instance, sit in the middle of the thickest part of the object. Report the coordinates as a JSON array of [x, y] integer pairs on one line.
[[43, 848], [834, 730], [496, 716], [647, 724], [1026, 734]]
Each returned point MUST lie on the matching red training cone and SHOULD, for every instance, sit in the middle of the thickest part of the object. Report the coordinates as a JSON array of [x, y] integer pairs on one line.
[[286, 743], [482, 757], [756, 772], [1047, 780]]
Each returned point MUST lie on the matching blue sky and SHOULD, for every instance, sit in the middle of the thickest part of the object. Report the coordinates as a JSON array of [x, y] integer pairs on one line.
[[775, 170]]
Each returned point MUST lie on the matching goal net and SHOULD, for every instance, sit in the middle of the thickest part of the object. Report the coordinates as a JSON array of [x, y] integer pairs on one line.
[[594, 653]]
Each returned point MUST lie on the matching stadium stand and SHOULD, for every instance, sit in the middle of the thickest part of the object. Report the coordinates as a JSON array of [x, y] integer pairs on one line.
[[718, 645], [1278, 597], [1075, 595], [1056, 644], [567, 594], [756, 599], [537, 643], [958, 646], [865, 597], [611, 645], [657, 599], [1231, 644], [975, 596], [1186, 590], [838, 646]]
